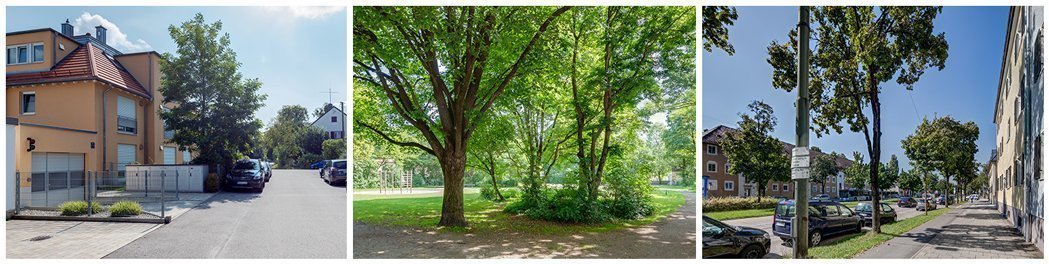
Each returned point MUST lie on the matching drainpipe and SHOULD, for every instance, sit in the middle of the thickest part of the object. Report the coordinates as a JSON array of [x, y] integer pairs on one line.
[[104, 127]]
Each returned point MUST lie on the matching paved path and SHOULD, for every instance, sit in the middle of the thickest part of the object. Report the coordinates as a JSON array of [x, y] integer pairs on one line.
[[778, 250], [672, 237], [972, 231], [297, 216]]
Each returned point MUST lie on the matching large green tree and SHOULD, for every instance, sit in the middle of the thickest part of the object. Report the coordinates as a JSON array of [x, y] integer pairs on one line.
[[753, 151], [945, 145], [214, 113], [858, 49], [441, 69], [824, 167]]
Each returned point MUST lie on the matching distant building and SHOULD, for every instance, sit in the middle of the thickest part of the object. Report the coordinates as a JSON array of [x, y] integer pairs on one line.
[[333, 123], [718, 182], [1017, 185]]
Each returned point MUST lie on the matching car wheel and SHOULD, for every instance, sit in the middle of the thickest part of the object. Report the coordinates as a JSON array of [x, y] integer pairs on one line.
[[859, 227], [752, 252], [815, 238]]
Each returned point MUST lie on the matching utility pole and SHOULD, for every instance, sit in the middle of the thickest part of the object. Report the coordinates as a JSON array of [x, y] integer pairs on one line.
[[800, 155]]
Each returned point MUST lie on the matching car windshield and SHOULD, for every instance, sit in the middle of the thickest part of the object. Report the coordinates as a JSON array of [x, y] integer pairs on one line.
[[340, 164], [246, 165], [864, 207], [785, 210]]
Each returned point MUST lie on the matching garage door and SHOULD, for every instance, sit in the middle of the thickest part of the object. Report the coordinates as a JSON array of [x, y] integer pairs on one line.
[[57, 178], [169, 155], [125, 155]]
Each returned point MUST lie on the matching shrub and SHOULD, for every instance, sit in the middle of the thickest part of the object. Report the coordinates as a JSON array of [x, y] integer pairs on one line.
[[211, 183], [718, 204], [562, 205], [125, 208], [488, 193], [78, 208]]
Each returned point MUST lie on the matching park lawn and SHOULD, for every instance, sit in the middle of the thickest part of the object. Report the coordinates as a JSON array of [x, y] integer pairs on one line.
[[738, 214], [855, 244], [486, 216], [675, 188]]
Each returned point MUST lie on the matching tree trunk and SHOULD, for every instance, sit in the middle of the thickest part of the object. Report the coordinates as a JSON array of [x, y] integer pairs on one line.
[[453, 165], [495, 183], [875, 163]]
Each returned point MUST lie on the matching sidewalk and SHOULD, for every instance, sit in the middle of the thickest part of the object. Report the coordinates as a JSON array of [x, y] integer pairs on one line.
[[86, 240], [971, 231]]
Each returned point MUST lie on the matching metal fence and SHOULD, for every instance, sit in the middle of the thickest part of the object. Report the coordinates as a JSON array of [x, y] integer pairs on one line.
[[49, 190]]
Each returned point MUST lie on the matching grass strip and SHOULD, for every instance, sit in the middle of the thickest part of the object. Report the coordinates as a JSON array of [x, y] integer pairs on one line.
[[855, 244], [737, 214]]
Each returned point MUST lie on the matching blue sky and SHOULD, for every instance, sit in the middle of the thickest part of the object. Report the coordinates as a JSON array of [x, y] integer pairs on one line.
[[965, 89], [297, 52]]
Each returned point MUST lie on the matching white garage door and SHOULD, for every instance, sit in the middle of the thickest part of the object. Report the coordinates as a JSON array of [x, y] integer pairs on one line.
[[125, 155], [57, 178], [169, 155]]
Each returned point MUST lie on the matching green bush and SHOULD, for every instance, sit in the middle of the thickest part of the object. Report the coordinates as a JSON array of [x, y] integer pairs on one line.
[[488, 193], [125, 208], [78, 208], [561, 205], [718, 204]]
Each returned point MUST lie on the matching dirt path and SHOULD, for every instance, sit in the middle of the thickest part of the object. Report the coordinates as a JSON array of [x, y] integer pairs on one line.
[[672, 237]]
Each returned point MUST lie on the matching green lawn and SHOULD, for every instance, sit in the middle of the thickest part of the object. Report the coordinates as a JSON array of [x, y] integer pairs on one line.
[[855, 244], [737, 214], [488, 216]]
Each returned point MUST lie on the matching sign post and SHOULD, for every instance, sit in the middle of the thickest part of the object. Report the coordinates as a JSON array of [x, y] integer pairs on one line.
[[799, 167]]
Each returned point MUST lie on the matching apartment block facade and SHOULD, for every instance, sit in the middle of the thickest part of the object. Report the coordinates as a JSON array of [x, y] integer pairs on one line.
[[79, 105], [718, 182], [1017, 184]]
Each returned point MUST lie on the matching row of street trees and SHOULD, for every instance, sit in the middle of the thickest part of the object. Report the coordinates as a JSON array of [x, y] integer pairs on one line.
[[533, 93]]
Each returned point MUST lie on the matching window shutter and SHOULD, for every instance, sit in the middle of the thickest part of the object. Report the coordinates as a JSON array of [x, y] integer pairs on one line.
[[125, 155], [125, 107], [169, 155]]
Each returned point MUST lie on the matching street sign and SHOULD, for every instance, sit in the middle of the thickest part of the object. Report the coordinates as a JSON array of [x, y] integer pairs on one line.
[[799, 173], [799, 163]]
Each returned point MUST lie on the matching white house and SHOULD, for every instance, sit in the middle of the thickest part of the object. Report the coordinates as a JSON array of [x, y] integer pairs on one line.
[[333, 122]]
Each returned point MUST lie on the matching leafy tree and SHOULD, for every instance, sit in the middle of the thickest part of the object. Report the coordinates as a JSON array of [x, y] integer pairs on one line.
[[754, 152], [716, 20], [463, 59], [488, 147], [910, 180], [856, 175], [334, 149], [289, 137], [945, 145], [320, 111], [858, 49], [215, 105], [890, 173], [824, 167]]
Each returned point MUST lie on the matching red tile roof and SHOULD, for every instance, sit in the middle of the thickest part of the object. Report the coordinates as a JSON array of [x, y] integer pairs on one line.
[[87, 62]]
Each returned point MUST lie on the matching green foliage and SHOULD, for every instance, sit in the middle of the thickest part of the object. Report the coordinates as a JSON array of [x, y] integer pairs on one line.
[[488, 193], [890, 174], [560, 205], [74, 208], [947, 146], [716, 20], [753, 151], [334, 149], [125, 208], [857, 175], [910, 180], [732, 203], [824, 167], [216, 105], [292, 141]]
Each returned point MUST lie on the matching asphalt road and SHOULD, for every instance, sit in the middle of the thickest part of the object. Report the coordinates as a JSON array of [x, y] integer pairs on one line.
[[778, 250], [296, 216]]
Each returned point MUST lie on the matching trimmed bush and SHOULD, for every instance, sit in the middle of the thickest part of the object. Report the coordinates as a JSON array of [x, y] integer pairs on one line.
[[125, 208], [73, 208], [488, 193], [718, 204], [561, 205]]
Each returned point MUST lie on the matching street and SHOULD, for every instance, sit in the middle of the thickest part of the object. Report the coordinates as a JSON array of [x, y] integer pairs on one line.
[[778, 250], [297, 216]]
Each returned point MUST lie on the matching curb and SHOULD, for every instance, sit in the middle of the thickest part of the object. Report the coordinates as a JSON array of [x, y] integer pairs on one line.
[[164, 220]]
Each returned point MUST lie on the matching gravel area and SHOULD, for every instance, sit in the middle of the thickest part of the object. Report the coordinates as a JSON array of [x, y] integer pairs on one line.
[[43, 212]]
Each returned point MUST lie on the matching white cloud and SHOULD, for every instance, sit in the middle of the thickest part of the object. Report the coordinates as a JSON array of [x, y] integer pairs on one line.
[[115, 37], [308, 12]]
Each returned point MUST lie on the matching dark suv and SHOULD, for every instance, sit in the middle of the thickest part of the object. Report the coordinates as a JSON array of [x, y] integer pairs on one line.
[[246, 173], [723, 240], [906, 201], [336, 172], [825, 219], [865, 209]]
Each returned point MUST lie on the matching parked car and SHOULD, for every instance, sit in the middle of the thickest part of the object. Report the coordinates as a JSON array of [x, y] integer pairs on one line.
[[780, 198], [317, 165], [865, 211], [906, 201], [336, 173], [948, 200], [724, 240], [862, 198], [822, 198], [825, 219], [847, 199], [268, 167], [247, 173], [324, 168], [925, 205]]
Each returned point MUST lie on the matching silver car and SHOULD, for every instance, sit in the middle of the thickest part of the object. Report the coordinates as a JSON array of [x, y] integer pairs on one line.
[[925, 205]]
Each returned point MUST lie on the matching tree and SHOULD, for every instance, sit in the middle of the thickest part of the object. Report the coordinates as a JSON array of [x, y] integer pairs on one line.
[[489, 146], [824, 167], [442, 69], [890, 173], [292, 141], [320, 111], [214, 113], [858, 49], [716, 20], [856, 175], [334, 149], [945, 145], [910, 180], [753, 151]]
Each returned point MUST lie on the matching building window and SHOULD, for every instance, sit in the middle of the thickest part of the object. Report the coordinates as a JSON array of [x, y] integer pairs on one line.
[[28, 103], [712, 150], [126, 121], [712, 185], [775, 187], [712, 166], [334, 119], [730, 185], [25, 53], [727, 167], [786, 187]]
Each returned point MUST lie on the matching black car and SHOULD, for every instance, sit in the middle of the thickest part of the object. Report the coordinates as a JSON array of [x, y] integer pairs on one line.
[[246, 174], [865, 210], [906, 202], [723, 240], [825, 219]]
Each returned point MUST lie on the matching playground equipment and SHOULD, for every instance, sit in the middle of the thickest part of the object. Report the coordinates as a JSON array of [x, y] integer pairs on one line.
[[390, 181]]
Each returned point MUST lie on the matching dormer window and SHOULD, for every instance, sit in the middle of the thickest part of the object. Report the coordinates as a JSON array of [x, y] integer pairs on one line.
[[25, 53]]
